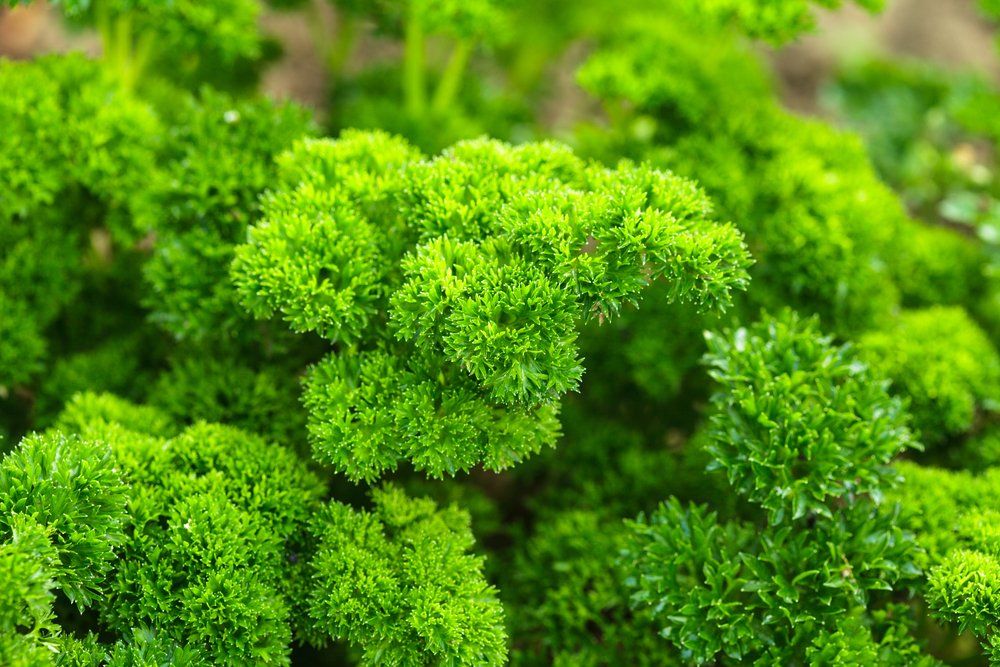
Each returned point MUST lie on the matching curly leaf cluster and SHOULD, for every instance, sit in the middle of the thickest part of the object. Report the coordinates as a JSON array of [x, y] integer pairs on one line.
[[453, 287], [399, 583], [800, 423], [943, 363], [805, 431]]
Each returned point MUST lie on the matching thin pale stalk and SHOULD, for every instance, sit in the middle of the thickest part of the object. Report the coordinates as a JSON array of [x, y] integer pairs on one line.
[[414, 88], [451, 78]]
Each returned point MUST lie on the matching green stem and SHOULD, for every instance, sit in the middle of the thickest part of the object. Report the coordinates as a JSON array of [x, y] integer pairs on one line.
[[452, 76], [125, 56], [413, 68], [123, 48], [104, 28], [140, 58], [343, 46], [317, 30]]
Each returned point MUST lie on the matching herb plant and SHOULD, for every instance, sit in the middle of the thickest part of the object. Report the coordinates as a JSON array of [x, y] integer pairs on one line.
[[555, 339]]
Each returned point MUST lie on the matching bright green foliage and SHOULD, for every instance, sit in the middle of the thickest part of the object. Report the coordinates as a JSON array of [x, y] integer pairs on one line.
[[211, 582], [134, 432], [217, 555], [940, 266], [943, 364], [93, 414], [805, 431], [851, 643], [62, 521], [333, 286], [932, 500], [462, 279], [143, 647], [964, 588], [220, 159], [370, 100], [954, 516], [104, 146], [423, 96], [478, 19], [70, 487], [773, 20], [27, 562], [398, 583], [72, 156], [224, 513], [182, 37], [203, 257], [817, 219], [800, 422], [147, 648], [660, 85], [220, 29], [215, 533]]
